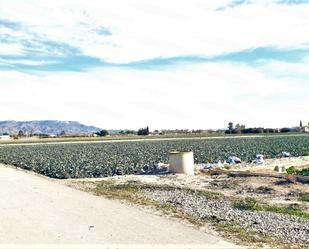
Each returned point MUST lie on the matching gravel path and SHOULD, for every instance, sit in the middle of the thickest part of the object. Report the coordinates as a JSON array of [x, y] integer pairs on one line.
[[284, 227], [35, 210]]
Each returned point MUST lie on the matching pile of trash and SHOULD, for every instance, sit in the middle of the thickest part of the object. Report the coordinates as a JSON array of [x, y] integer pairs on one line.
[[259, 159], [208, 166], [286, 154], [155, 168], [233, 160]]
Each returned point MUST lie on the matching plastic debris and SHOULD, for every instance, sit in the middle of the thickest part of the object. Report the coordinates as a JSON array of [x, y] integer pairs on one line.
[[233, 160], [259, 159], [220, 164], [160, 167], [208, 166], [286, 154]]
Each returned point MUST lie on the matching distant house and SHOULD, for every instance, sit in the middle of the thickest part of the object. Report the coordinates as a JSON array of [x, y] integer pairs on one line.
[[305, 129], [5, 137]]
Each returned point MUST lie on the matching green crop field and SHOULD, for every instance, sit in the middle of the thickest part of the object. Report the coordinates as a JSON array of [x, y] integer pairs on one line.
[[114, 158]]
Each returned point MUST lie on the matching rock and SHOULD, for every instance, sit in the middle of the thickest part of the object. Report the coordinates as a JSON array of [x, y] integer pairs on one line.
[[279, 168]]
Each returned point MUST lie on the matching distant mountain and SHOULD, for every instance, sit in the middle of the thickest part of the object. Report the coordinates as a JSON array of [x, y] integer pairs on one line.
[[45, 127]]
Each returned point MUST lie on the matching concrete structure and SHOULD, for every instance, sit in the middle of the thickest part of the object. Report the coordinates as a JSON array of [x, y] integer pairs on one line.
[[305, 129], [181, 162], [5, 137]]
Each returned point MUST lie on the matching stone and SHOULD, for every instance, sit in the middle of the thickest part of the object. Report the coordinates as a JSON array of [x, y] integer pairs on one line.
[[279, 168]]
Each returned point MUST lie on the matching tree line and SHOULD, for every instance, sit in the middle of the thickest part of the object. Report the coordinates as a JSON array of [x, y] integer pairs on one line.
[[241, 129]]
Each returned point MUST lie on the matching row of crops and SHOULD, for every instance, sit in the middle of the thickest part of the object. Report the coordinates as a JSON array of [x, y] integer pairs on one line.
[[115, 158]]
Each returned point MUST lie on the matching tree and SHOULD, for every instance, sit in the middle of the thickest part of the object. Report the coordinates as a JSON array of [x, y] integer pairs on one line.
[[230, 127], [31, 132], [285, 129], [62, 133], [21, 133], [143, 131], [126, 132], [301, 124], [238, 128], [102, 133]]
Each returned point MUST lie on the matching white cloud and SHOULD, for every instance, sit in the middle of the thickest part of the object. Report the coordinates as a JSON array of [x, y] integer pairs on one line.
[[11, 49], [287, 69], [204, 96], [13, 62], [161, 28]]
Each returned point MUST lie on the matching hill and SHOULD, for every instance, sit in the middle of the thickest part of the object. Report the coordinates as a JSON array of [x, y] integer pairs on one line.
[[46, 127]]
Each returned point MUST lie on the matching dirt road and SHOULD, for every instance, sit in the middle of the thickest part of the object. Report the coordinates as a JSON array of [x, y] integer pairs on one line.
[[36, 210]]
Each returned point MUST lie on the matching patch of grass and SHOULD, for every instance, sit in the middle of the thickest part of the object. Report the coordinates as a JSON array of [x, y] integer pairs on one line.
[[291, 210], [251, 204], [110, 189], [245, 236], [304, 197], [303, 172], [246, 204], [306, 153], [293, 171], [131, 188], [170, 209], [254, 239], [200, 192]]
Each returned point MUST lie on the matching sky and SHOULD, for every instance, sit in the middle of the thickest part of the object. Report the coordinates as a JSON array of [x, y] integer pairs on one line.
[[125, 64]]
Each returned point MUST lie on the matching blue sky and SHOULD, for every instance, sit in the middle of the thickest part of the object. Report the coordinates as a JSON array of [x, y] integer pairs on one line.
[[237, 3], [169, 61]]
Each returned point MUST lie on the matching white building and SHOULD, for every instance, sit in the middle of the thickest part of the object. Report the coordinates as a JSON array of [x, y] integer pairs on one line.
[[304, 128], [5, 137]]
